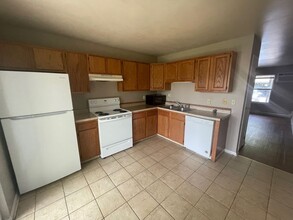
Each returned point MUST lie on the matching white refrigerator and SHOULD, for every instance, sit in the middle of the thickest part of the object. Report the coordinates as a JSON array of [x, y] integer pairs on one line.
[[38, 123]]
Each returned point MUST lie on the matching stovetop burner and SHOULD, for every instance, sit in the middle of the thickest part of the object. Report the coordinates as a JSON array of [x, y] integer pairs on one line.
[[101, 113], [119, 110]]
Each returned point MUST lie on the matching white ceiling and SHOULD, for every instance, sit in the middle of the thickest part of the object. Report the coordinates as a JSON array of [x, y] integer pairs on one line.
[[158, 27]]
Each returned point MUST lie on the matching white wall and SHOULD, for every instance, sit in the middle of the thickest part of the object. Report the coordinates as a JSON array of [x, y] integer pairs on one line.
[[30, 36], [105, 90], [184, 92]]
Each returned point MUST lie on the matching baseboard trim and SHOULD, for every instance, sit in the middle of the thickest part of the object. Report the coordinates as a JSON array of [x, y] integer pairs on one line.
[[14, 207], [272, 114], [230, 152]]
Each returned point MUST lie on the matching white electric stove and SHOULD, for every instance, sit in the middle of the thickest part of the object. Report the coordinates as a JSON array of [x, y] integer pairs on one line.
[[115, 125]]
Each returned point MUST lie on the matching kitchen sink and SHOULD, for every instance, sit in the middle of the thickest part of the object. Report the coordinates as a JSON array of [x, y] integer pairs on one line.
[[176, 108]]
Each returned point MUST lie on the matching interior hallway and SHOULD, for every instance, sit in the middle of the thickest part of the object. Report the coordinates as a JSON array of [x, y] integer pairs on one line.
[[269, 140]]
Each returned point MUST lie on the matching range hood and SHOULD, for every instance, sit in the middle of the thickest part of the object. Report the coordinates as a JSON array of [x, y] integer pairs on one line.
[[105, 77]]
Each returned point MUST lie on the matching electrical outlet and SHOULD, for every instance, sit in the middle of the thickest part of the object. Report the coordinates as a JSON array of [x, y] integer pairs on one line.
[[169, 95], [209, 101], [225, 102], [143, 97], [233, 102]]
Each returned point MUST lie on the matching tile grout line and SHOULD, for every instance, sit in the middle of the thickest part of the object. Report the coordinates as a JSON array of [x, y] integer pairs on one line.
[[230, 209]]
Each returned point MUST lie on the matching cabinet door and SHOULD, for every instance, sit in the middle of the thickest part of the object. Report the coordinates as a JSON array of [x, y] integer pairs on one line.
[[47, 59], [202, 71], [88, 144], [151, 122], [186, 70], [163, 123], [220, 72], [78, 72], [176, 128], [157, 77], [143, 76], [129, 76], [139, 125], [113, 66], [16, 57], [171, 72], [97, 64]]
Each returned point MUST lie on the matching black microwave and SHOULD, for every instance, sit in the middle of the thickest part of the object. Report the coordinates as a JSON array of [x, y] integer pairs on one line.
[[155, 99]]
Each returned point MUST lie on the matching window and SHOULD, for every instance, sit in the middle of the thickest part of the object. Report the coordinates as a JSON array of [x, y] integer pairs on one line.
[[263, 85]]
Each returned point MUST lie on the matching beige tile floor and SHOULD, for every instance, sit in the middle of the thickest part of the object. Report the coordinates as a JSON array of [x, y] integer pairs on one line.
[[157, 179]]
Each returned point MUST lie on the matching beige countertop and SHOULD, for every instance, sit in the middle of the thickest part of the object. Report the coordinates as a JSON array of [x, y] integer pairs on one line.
[[87, 116], [84, 116], [138, 108], [193, 112]]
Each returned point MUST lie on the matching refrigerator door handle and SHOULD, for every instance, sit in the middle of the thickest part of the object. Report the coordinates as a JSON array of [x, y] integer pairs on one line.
[[38, 115]]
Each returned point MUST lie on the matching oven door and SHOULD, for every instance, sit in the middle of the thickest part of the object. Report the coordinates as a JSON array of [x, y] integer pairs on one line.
[[115, 130]]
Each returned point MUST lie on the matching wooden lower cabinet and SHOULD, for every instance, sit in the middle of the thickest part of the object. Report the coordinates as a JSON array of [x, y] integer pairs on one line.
[[139, 126], [144, 124], [163, 123], [88, 139], [151, 122], [177, 127]]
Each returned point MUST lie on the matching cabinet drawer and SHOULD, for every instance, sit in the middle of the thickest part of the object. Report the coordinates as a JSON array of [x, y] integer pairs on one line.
[[81, 126], [138, 115], [152, 112], [177, 116]]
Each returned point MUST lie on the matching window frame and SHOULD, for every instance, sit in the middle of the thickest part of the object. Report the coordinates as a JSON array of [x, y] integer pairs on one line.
[[272, 77]]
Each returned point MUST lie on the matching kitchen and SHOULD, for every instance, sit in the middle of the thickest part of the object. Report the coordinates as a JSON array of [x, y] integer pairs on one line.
[[80, 104], [157, 172]]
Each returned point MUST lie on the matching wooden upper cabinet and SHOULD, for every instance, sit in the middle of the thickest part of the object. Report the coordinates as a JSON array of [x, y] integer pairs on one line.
[[215, 73], [186, 70], [143, 76], [220, 73], [16, 57], [163, 122], [202, 71], [157, 76], [78, 72], [47, 59], [171, 72], [176, 127], [113, 66], [97, 64], [129, 70]]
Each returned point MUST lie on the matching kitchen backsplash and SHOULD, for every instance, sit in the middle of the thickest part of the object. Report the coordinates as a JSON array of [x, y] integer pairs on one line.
[[105, 90]]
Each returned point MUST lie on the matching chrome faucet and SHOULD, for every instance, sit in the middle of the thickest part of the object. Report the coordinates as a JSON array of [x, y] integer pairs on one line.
[[179, 104]]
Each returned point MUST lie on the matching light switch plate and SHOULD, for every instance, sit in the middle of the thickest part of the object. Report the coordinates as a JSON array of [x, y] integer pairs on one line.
[[233, 102]]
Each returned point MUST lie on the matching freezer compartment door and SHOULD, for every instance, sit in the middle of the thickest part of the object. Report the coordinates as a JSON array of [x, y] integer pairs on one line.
[[28, 93], [43, 149], [198, 135]]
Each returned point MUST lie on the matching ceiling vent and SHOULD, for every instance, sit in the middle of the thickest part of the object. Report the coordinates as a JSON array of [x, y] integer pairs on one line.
[[284, 77]]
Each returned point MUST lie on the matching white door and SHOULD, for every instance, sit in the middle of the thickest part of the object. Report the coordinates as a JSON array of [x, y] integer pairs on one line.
[[28, 93], [42, 149]]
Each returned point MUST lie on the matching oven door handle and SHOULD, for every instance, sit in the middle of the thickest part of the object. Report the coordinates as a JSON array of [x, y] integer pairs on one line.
[[114, 118]]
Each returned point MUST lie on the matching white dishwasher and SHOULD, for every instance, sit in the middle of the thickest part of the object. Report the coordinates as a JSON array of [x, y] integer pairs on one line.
[[198, 135]]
